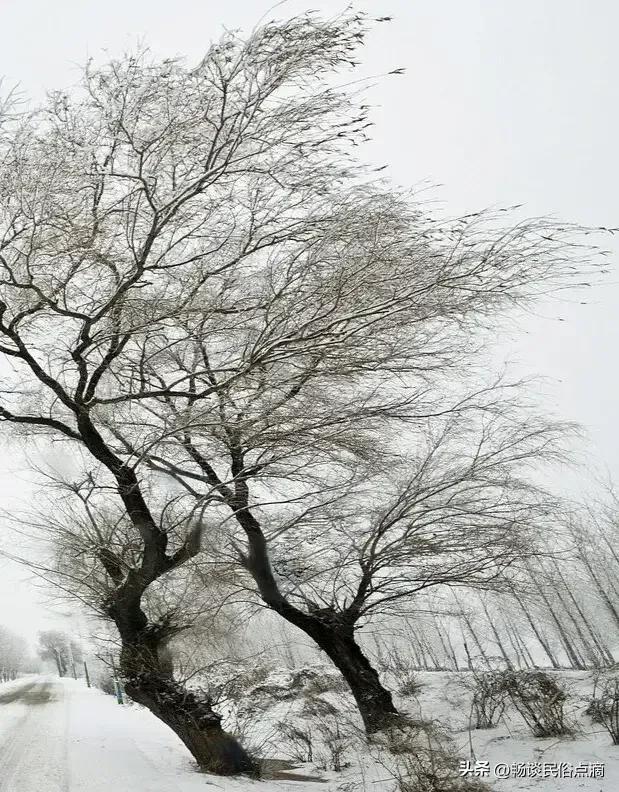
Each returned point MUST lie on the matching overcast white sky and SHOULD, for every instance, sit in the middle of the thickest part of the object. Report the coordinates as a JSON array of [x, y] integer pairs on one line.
[[503, 102]]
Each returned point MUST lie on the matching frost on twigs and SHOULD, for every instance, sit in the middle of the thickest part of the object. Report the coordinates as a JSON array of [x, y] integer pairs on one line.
[[490, 696]]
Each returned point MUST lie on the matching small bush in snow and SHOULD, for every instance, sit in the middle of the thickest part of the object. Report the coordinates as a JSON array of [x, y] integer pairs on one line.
[[594, 710], [106, 684], [604, 708], [425, 760], [540, 699], [300, 741], [401, 668], [489, 698], [434, 771], [336, 744], [315, 684], [317, 707]]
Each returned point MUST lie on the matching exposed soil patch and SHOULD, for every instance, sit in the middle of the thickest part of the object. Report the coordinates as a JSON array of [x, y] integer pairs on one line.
[[280, 770]]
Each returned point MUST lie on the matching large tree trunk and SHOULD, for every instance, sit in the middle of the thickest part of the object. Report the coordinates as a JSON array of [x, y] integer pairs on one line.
[[192, 718], [148, 679], [332, 631], [374, 701], [336, 637]]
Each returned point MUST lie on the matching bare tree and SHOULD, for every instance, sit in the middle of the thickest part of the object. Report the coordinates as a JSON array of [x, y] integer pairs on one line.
[[460, 511], [14, 654], [198, 279], [61, 648]]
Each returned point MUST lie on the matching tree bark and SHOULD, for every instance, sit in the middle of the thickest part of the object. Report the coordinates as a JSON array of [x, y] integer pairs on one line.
[[374, 701], [149, 681], [147, 674]]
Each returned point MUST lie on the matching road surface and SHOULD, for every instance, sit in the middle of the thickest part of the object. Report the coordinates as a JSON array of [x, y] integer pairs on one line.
[[58, 736]]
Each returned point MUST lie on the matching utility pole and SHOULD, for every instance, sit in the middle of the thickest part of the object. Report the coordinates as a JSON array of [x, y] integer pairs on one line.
[[117, 686]]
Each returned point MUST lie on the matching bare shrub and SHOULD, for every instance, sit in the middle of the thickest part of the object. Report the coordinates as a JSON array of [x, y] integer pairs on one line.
[[336, 743], [404, 738], [594, 710], [300, 740], [229, 685], [317, 707], [315, 683], [433, 771], [604, 708], [540, 700], [402, 668], [426, 760], [489, 699]]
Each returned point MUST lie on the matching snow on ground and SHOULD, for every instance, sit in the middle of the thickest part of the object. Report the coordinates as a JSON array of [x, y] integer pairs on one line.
[[58, 736], [443, 696]]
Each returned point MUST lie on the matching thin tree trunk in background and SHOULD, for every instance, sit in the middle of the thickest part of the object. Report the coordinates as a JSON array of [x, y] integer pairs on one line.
[[422, 652], [605, 654], [495, 632], [58, 660], [430, 653], [416, 652], [452, 649], [543, 643], [586, 647], [601, 590], [521, 659], [525, 649], [449, 652], [469, 660], [469, 627], [610, 546], [571, 653], [483, 654]]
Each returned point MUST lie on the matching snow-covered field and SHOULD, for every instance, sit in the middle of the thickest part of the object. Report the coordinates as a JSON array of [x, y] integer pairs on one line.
[[510, 749], [59, 736]]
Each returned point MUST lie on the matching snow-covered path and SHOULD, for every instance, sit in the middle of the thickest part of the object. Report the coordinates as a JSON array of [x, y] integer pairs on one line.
[[33, 735], [57, 735]]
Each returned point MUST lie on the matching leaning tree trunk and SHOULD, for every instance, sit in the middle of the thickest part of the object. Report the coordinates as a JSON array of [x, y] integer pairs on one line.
[[149, 681], [374, 701], [332, 632], [337, 640]]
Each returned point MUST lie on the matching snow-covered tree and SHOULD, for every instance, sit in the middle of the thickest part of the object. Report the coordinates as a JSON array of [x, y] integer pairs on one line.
[[14, 654], [199, 281]]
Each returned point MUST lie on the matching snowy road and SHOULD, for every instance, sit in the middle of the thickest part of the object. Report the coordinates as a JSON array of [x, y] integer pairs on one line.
[[33, 735], [56, 735]]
